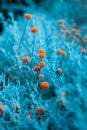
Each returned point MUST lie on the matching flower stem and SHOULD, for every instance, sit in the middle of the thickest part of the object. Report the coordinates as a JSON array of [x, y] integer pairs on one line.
[[22, 36]]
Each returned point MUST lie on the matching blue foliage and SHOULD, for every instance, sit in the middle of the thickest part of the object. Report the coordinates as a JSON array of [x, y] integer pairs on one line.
[[65, 101]]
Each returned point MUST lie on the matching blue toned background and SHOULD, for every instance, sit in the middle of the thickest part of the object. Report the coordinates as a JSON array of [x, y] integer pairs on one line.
[[62, 26]]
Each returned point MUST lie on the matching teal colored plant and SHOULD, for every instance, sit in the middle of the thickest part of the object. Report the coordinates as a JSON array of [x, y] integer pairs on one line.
[[43, 82]]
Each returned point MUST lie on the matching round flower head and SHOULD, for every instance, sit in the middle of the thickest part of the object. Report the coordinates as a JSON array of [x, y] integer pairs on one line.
[[44, 85], [64, 94], [59, 70], [41, 76], [59, 51], [34, 30], [84, 41], [67, 32], [78, 34], [42, 55], [84, 51], [41, 51], [64, 53], [62, 25], [74, 30], [26, 59], [37, 68], [28, 16], [40, 111], [42, 64]]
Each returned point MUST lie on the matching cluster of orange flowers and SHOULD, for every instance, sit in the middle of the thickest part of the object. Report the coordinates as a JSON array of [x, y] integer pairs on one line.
[[63, 53]]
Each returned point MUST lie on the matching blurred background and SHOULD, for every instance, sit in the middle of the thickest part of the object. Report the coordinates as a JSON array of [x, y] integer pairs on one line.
[[71, 10]]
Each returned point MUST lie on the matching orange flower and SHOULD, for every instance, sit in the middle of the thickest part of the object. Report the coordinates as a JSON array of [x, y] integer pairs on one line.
[[74, 30], [40, 111], [62, 25], [42, 64], [28, 16], [42, 55], [67, 32], [78, 34], [59, 51], [64, 53], [44, 85], [41, 51], [59, 70], [26, 59], [84, 41], [84, 51], [37, 68], [34, 30]]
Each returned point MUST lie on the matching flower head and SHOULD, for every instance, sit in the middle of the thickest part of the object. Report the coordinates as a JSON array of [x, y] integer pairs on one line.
[[28, 16], [41, 51], [42, 55], [37, 68], [26, 59], [44, 85], [59, 70], [41, 111], [34, 30], [42, 64]]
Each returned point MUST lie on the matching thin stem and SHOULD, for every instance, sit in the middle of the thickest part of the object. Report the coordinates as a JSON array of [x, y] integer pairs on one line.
[[22, 36], [33, 47], [14, 66]]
